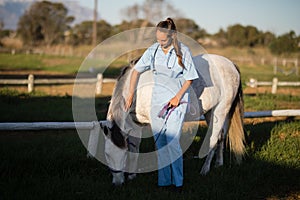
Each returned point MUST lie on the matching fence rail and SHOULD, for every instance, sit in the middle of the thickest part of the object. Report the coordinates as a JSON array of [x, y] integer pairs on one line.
[[94, 127], [275, 83], [31, 82], [91, 125]]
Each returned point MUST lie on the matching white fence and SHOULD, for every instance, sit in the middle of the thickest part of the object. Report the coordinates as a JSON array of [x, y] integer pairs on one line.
[[94, 127], [275, 83], [31, 82], [91, 125]]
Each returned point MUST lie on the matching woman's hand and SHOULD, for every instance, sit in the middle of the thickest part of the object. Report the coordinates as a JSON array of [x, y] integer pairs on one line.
[[174, 102], [133, 82], [128, 102]]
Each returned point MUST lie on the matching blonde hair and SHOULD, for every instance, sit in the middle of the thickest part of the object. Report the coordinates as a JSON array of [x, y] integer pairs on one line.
[[168, 26]]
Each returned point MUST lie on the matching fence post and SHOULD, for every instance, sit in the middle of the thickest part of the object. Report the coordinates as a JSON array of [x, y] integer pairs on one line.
[[30, 83], [93, 140], [296, 65], [274, 85], [99, 84]]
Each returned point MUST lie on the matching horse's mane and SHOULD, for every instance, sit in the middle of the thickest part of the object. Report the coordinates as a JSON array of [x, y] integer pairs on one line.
[[115, 111]]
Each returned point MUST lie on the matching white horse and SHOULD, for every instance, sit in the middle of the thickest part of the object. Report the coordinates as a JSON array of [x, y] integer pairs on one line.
[[219, 94]]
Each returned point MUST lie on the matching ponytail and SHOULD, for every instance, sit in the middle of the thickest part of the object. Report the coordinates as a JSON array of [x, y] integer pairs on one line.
[[169, 26]]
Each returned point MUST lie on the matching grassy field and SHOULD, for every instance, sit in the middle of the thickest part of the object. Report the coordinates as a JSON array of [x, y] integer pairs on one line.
[[53, 164], [71, 64]]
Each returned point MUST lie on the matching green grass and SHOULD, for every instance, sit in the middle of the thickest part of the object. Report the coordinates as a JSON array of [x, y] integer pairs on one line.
[[37, 106], [61, 64], [264, 73], [71, 65], [271, 102], [53, 165], [283, 147]]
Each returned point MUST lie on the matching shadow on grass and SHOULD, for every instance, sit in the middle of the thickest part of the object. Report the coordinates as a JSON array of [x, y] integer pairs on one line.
[[20, 107], [53, 165]]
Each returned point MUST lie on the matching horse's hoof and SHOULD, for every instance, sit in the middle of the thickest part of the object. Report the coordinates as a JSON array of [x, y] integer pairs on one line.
[[204, 171], [131, 176], [89, 156], [218, 164]]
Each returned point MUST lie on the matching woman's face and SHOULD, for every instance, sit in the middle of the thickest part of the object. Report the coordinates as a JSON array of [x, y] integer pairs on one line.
[[163, 39]]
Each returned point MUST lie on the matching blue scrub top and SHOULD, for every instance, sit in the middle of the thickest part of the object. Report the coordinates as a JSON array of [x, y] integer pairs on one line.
[[169, 76]]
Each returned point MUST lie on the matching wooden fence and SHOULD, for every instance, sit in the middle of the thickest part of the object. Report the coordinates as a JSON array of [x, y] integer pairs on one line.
[[31, 82], [94, 127], [90, 125], [275, 83]]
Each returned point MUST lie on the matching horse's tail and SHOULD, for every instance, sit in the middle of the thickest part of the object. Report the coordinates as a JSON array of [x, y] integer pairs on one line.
[[236, 133]]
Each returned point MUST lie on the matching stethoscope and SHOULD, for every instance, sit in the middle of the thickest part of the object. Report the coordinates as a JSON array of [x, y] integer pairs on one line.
[[153, 59]]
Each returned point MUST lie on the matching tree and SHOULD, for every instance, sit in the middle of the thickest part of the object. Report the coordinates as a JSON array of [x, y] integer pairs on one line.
[[190, 28], [1, 24], [236, 35], [252, 36], [267, 38], [44, 23], [84, 31], [286, 43], [151, 11]]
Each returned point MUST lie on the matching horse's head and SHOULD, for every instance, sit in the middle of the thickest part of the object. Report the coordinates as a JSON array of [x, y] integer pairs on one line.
[[115, 142], [115, 151]]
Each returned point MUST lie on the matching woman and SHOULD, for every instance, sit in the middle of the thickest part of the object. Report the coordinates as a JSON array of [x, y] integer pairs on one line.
[[173, 72]]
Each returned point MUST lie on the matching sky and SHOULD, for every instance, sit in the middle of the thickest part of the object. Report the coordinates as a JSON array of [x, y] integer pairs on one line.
[[276, 16]]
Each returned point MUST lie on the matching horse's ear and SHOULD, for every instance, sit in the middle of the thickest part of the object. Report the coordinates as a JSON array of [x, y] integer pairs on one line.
[[134, 61], [117, 137], [105, 129]]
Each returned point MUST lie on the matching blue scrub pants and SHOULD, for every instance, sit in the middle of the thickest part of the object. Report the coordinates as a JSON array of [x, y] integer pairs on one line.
[[167, 140]]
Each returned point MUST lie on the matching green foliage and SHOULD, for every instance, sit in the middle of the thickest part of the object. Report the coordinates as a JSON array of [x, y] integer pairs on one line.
[[190, 28], [44, 23], [83, 33], [247, 36], [286, 43]]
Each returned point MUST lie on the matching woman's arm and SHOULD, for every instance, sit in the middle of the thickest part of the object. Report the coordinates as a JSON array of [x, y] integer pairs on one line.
[[174, 102], [133, 81]]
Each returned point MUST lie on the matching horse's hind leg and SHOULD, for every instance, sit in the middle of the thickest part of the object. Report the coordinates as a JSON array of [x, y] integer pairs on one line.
[[206, 166], [219, 152], [218, 117], [220, 146], [219, 157]]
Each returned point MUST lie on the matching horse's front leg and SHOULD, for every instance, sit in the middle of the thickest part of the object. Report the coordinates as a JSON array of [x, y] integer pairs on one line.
[[132, 158]]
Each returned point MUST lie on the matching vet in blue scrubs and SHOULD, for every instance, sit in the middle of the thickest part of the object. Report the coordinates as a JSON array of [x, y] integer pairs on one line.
[[169, 77]]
